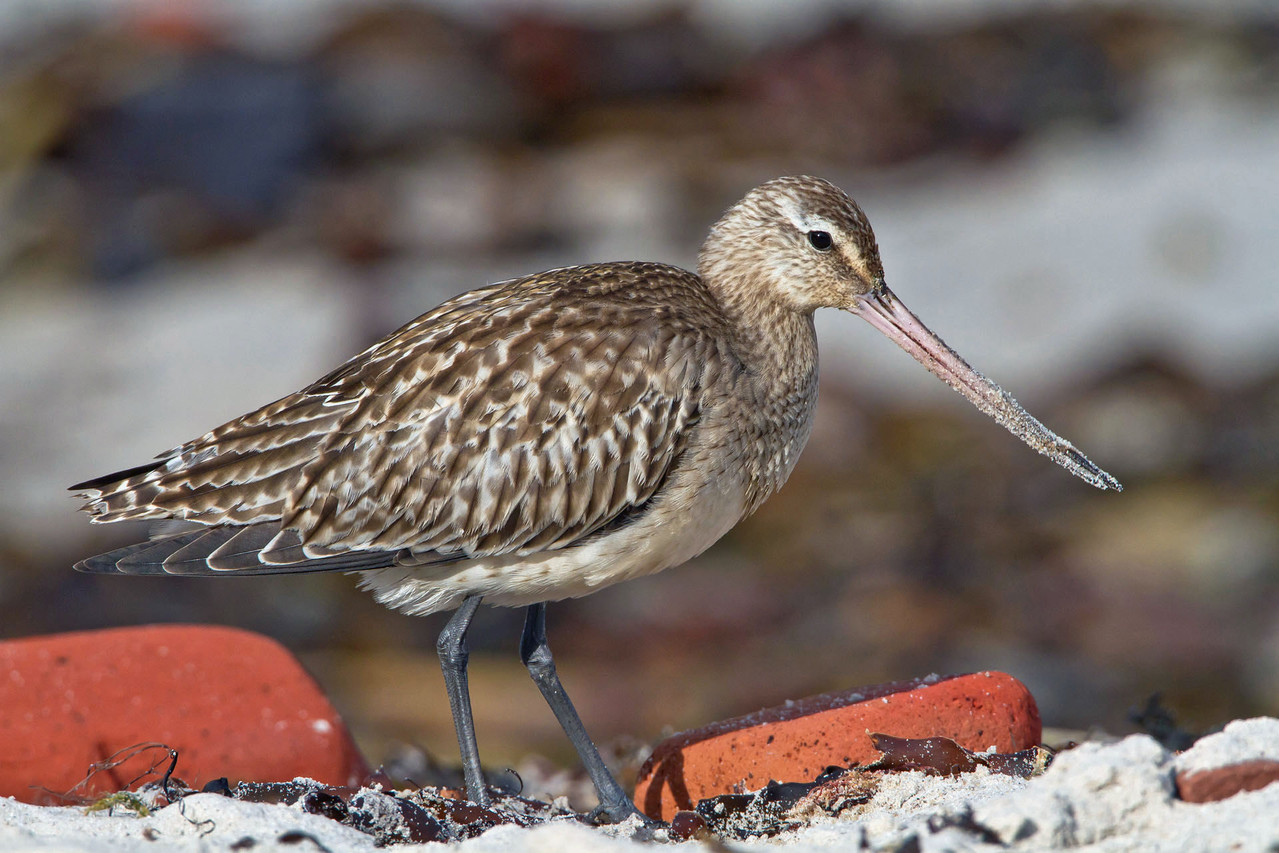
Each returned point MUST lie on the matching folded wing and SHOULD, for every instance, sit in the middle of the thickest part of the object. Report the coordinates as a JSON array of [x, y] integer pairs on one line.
[[500, 423]]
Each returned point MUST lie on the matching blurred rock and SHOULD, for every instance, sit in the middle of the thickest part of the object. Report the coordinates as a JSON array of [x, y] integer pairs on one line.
[[561, 65], [1154, 417], [902, 95], [401, 76], [209, 147]]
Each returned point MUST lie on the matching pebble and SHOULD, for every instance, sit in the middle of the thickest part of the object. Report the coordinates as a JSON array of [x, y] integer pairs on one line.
[[795, 742], [231, 703]]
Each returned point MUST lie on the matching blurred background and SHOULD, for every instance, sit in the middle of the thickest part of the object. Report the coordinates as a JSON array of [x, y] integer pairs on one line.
[[206, 205]]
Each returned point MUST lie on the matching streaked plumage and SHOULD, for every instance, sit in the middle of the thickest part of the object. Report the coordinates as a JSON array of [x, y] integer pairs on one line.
[[519, 420], [544, 437]]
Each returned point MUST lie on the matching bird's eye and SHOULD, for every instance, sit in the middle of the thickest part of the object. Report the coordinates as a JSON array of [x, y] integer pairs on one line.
[[819, 240]]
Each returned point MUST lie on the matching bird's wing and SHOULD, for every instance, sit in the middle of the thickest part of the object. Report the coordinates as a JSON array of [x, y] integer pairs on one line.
[[521, 429], [504, 421]]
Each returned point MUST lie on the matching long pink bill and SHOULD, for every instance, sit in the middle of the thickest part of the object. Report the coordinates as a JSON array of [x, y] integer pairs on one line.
[[883, 310]]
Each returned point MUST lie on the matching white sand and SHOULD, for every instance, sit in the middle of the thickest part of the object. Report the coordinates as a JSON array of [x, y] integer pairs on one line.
[[1110, 797], [1242, 740]]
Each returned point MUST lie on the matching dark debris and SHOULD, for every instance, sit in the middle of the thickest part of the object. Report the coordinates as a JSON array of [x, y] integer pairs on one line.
[[942, 755], [1160, 722], [778, 807], [390, 816], [772, 809]]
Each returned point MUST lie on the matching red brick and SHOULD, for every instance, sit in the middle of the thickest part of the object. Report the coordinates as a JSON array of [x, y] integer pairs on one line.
[[232, 703], [1219, 783], [795, 742]]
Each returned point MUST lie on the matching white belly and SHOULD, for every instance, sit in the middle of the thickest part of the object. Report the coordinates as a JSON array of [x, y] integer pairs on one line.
[[678, 527]]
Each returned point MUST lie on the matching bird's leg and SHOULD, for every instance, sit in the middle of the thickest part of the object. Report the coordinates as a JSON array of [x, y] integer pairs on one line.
[[614, 806], [453, 652]]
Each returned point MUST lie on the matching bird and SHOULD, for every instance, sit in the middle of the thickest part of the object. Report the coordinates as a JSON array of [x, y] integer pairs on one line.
[[544, 437]]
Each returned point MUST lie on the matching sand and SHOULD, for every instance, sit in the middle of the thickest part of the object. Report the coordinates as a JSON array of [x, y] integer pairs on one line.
[[1099, 796]]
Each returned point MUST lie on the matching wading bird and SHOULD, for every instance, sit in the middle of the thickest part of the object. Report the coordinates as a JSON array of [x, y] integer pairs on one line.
[[542, 438]]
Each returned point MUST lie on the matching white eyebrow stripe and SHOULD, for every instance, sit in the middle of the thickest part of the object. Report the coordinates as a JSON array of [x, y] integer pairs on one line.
[[791, 210], [802, 221]]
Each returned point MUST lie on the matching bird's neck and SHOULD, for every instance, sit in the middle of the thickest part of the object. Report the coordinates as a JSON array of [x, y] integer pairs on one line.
[[778, 349], [776, 343]]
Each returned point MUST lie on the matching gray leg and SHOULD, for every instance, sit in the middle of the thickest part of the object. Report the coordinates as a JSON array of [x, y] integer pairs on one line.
[[614, 806], [453, 657]]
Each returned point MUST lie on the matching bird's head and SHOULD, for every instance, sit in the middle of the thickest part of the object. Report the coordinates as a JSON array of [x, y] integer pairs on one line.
[[798, 244]]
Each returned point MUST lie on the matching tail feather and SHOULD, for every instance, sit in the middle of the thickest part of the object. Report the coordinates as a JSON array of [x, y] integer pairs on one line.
[[128, 560], [240, 473], [244, 549], [150, 558], [223, 551], [99, 484], [195, 553], [123, 495]]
